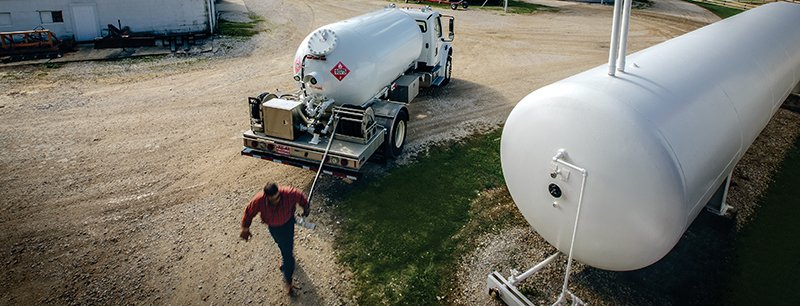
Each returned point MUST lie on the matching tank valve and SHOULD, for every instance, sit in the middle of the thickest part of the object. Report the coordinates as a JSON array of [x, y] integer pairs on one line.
[[555, 191]]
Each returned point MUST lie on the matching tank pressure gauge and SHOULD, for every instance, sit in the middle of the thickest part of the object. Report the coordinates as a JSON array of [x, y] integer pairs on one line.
[[555, 191]]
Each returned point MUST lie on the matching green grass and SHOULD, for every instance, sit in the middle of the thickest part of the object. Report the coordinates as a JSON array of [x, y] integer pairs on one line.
[[522, 7], [514, 7], [721, 11], [766, 266], [400, 235], [241, 29]]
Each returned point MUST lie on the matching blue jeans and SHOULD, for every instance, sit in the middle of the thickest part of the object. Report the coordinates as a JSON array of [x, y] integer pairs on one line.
[[284, 237]]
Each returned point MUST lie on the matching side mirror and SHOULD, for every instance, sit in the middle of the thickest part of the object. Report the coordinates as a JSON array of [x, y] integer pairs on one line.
[[451, 36], [452, 27]]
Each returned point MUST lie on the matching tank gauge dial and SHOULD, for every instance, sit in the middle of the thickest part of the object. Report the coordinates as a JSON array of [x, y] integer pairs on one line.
[[555, 191]]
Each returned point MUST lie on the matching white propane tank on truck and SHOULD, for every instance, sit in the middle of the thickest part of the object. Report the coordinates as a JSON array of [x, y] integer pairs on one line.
[[658, 142], [355, 78], [362, 55]]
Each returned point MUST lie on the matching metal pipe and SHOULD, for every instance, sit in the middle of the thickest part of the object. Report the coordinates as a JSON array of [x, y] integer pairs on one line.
[[322, 163], [612, 52], [623, 43], [558, 158], [514, 280]]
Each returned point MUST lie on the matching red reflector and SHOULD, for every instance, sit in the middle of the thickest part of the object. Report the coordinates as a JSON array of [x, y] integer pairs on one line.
[[271, 147]]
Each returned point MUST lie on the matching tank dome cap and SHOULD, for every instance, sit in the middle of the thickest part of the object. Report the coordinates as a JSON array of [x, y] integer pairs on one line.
[[322, 42]]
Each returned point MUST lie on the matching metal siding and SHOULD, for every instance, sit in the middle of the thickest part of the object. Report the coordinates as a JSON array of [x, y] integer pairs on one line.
[[154, 16]]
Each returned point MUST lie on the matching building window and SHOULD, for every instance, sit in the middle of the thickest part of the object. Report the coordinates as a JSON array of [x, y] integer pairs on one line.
[[51, 16], [5, 19]]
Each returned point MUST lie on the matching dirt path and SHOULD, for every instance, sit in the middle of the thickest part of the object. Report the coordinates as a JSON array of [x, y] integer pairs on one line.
[[122, 181]]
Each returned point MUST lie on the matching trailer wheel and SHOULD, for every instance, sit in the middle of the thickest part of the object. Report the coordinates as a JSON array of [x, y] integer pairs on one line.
[[397, 135], [465, 4], [448, 70], [454, 6]]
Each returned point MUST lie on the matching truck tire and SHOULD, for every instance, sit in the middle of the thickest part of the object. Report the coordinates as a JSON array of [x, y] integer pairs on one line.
[[465, 4], [448, 70], [454, 5], [396, 137]]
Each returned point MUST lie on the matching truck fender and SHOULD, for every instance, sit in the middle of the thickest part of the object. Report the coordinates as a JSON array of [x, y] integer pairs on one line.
[[387, 110]]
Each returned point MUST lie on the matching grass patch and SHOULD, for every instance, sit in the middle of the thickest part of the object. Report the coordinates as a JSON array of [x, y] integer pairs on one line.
[[400, 235], [765, 267], [53, 65], [721, 11], [522, 7], [241, 29], [514, 6]]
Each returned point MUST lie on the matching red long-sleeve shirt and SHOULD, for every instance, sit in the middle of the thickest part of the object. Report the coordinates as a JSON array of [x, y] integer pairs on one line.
[[275, 215]]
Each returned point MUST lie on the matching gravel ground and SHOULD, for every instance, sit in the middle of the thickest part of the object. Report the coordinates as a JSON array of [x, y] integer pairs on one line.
[[122, 181]]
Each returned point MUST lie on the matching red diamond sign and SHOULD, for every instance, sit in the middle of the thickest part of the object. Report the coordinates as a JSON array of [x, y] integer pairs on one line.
[[340, 71]]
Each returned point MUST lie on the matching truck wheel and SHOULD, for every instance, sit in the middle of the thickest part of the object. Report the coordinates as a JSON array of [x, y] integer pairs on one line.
[[397, 135], [465, 4], [448, 70], [454, 6]]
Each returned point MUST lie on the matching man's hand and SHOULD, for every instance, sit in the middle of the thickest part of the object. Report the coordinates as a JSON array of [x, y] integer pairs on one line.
[[245, 235], [305, 213]]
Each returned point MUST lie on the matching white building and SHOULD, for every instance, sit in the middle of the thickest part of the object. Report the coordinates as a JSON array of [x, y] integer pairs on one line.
[[85, 19]]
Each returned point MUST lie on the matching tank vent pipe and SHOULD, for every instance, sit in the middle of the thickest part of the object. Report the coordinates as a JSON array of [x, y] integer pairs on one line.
[[612, 52], [623, 41]]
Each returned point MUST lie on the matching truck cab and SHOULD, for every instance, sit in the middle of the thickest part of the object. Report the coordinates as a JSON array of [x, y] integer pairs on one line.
[[437, 36]]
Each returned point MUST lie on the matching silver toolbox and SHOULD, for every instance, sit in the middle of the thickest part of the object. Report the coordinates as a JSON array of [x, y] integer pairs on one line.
[[280, 117]]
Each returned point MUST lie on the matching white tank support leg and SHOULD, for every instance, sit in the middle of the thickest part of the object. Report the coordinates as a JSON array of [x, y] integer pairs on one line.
[[506, 289], [514, 279], [717, 204]]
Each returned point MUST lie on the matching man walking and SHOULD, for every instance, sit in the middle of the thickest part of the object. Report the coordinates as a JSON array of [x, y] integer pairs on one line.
[[277, 206]]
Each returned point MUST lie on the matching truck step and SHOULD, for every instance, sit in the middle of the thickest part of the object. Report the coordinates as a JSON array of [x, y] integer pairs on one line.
[[437, 81]]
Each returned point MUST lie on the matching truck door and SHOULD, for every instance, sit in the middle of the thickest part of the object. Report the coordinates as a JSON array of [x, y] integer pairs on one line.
[[426, 56], [438, 42]]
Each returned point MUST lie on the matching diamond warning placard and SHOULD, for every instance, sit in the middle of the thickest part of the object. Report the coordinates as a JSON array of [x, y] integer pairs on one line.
[[340, 71]]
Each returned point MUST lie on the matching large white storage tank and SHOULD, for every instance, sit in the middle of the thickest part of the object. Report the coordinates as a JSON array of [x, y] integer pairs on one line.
[[362, 55], [657, 141]]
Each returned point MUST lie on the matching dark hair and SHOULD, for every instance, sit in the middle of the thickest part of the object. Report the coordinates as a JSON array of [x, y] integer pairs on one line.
[[270, 189]]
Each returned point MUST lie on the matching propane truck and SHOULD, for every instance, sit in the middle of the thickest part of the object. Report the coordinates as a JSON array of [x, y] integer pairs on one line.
[[355, 78]]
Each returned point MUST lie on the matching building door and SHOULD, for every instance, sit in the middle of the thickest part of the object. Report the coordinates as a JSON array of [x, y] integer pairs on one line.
[[85, 22]]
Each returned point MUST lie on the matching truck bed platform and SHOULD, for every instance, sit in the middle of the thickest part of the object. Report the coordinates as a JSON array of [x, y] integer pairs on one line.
[[337, 172]]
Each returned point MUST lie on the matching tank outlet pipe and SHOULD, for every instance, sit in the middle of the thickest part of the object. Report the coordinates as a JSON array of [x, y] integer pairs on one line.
[[612, 52], [623, 40], [514, 280]]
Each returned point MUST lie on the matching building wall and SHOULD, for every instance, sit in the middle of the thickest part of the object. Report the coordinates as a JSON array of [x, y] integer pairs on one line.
[[150, 16]]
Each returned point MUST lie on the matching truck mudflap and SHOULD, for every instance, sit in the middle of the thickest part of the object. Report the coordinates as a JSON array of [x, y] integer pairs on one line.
[[280, 159]]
